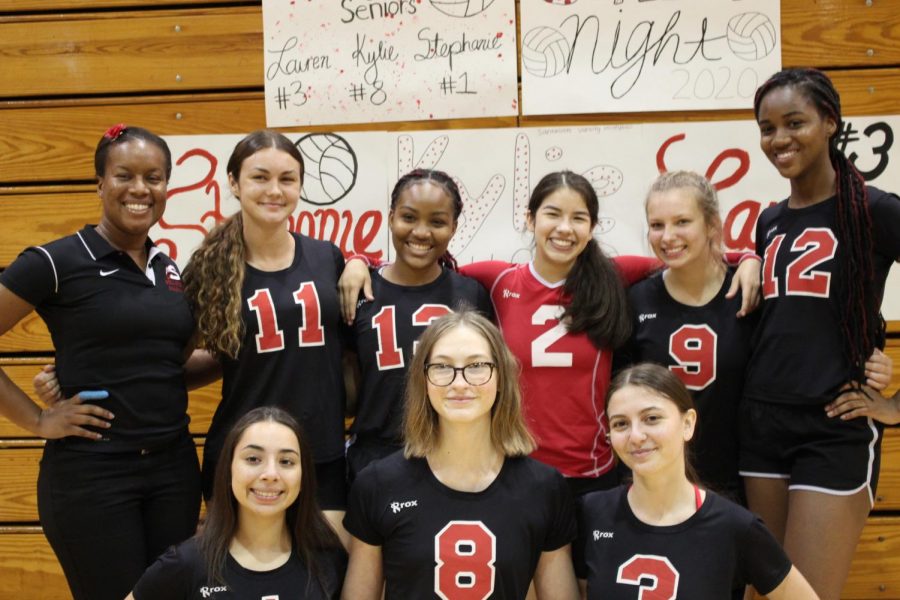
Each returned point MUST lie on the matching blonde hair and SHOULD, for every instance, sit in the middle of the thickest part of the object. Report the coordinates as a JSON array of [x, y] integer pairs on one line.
[[420, 421], [704, 194]]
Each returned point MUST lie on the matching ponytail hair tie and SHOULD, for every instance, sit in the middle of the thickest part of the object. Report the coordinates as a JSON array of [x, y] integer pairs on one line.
[[113, 133]]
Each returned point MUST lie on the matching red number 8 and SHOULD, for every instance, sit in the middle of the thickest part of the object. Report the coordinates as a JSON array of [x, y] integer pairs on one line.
[[657, 568], [465, 552]]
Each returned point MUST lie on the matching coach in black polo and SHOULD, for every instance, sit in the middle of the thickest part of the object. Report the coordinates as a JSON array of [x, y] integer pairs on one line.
[[119, 480]]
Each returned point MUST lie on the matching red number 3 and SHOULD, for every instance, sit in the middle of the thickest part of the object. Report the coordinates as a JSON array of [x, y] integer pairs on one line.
[[464, 553], [663, 576]]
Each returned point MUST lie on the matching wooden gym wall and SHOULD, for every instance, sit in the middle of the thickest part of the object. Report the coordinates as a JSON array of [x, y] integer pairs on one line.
[[70, 68]]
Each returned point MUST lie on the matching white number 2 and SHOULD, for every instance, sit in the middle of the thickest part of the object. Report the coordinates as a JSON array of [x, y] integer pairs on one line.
[[540, 356]]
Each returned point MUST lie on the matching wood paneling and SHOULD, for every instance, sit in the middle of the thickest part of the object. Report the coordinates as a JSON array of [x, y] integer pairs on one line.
[[875, 572], [29, 335], [29, 6], [840, 33], [55, 140], [192, 49], [28, 567], [18, 483], [31, 219], [887, 495], [102, 53]]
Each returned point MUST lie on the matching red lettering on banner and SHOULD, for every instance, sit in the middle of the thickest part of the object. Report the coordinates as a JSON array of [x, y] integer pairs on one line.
[[337, 227]]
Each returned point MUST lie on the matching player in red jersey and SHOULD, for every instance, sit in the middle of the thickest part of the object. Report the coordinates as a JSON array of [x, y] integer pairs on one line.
[[463, 512], [664, 536], [562, 315], [827, 251]]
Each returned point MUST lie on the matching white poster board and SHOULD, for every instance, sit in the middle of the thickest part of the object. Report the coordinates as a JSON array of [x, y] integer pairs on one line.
[[347, 201], [358, 61], [591, 56]]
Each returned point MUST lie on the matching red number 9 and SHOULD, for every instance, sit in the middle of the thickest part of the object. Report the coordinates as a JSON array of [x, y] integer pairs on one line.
[[465, 552], [694, 347]]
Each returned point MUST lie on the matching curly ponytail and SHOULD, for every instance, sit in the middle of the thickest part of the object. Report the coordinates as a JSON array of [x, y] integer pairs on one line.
[[212, 283]]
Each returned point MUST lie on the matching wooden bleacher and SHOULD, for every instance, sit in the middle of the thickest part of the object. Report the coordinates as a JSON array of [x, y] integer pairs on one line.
[[68, 68]]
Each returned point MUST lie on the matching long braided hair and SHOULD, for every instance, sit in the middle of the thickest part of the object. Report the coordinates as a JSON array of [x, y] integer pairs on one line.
[[443, 181], [857, 298]]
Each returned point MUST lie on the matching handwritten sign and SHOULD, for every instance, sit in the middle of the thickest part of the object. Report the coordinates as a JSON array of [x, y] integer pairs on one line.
[[356, 61], [585, 56], [496, 170]]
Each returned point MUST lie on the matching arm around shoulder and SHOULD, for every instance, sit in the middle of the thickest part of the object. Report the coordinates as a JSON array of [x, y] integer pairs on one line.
[[365, 575]]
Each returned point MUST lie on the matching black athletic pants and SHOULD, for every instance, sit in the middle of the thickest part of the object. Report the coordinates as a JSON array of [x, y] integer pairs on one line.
[[108, 516]]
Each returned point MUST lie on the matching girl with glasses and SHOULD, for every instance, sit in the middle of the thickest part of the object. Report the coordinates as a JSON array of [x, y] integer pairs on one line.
[[462, 509], [562, 315], [421, 285]]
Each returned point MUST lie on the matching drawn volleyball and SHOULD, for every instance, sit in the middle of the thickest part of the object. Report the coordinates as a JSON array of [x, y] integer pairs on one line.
[[545, 52], [461, 8], [751, 36], [330, 167]]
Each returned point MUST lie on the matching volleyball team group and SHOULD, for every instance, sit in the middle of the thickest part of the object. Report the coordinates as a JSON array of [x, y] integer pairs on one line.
[[697, 425]]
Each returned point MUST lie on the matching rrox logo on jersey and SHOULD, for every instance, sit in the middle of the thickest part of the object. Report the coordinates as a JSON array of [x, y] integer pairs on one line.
[[398, 506], [646, 316], [206, 592], [510, 294], [602, 535]]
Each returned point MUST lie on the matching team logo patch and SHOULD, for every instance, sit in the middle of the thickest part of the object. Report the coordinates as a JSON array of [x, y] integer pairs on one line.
[[173, 279], [398, 506]]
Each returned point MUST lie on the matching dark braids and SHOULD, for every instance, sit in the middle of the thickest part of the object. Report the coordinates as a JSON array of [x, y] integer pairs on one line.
[[857, 298], [445, 182]]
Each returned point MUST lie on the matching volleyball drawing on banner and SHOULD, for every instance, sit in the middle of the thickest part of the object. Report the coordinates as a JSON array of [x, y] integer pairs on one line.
[[496, 171], [330, 167], [461, 8], [545, 52], [751, 36], [617, 56]]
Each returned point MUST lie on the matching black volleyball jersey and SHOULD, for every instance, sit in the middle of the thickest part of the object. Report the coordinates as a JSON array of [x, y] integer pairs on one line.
[[441, 543], [115, 327], [708, 347], [181, 574], [291, 352], [385, 332], [797, 349], [623, 558]]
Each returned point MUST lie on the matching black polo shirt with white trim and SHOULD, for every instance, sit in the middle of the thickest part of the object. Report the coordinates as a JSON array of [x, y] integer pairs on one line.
[[115, 327]]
